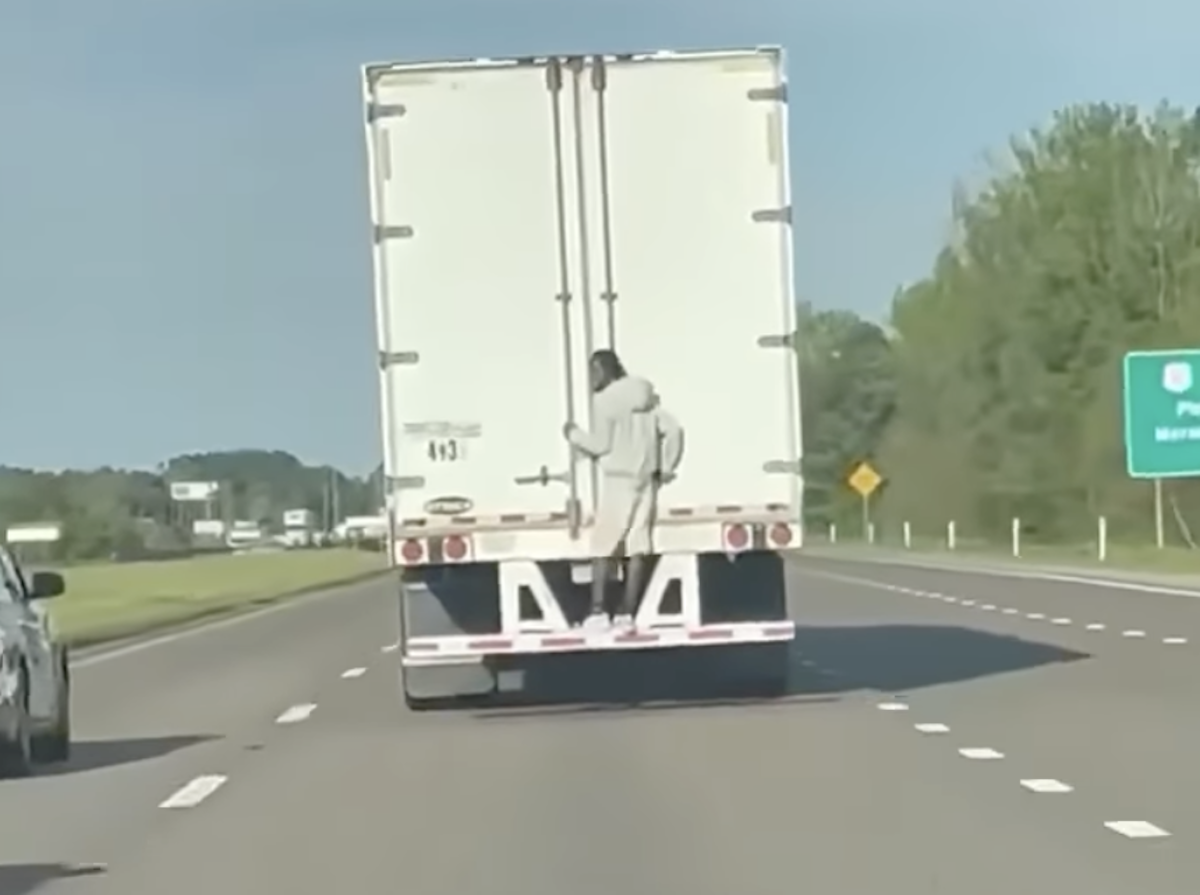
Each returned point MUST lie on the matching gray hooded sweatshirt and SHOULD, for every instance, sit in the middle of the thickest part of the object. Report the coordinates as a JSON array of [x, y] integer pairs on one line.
[[634, 437]]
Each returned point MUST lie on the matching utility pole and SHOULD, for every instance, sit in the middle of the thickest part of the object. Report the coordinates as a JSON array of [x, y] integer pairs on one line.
[[326, 488]]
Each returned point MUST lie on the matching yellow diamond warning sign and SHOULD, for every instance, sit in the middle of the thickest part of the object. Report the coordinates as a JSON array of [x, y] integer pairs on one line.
[[864, 479]]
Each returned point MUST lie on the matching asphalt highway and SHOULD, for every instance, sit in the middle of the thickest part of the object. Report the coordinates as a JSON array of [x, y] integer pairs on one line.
[[947, 732]]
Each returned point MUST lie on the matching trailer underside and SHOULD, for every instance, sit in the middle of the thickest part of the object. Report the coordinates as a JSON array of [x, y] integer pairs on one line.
[[465, 628]]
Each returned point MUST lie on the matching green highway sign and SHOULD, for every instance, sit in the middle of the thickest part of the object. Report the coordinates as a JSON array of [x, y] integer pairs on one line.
[[1162, 414]]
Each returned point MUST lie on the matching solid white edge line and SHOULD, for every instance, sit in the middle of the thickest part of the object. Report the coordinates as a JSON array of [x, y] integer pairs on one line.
[[354, 672], [992, 572], [194, 792], [297, 713], [106, 654], [1136, 829]]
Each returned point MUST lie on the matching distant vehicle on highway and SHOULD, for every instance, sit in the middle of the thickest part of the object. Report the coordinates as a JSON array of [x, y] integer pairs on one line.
[[35, 684]]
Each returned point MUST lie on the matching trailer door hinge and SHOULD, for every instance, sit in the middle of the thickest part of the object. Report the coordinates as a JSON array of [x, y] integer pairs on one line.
[[782, 467], [399, 231], [787, 340], [377, 111], [397, 358], [772, 215], [777, 94]]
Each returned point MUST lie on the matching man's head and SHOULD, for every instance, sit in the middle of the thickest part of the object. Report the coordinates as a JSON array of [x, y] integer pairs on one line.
[[606, 368]]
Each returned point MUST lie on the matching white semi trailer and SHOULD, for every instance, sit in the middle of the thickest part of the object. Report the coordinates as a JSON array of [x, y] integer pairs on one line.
[[526, 212]]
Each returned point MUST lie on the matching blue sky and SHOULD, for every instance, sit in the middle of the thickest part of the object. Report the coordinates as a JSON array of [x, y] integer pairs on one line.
[[183, 249]]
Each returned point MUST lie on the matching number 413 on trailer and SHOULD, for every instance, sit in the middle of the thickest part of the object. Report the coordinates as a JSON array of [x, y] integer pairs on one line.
[[446, 450]]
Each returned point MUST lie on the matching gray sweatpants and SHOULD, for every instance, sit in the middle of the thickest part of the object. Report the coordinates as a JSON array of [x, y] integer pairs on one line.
[[625, 515]]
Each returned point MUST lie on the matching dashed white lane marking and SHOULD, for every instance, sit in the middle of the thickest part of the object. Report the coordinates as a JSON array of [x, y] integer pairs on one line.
[[931, 727], [1136, 829], [297, 713], [195, 792], [893, 707], [1046, 785], [354, 672], [1132, 633], [390, 648], [980, 753]]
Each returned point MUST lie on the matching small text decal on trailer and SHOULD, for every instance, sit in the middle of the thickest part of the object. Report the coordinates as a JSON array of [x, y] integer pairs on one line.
[[445, 442], [446, 450]]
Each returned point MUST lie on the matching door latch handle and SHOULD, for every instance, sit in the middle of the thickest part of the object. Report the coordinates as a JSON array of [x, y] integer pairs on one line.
[[544, 477]]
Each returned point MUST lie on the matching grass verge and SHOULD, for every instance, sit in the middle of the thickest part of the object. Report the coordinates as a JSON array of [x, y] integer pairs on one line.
[[112, 602]]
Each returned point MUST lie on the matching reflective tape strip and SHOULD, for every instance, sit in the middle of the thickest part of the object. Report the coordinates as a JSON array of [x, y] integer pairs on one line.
[[414, 526], [438, 649]]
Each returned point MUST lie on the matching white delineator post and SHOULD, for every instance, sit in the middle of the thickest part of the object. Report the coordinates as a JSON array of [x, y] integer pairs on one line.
[[833, 532], [870, 532], [1102, 539], [951, 535], [1016, 536], [907, 535]]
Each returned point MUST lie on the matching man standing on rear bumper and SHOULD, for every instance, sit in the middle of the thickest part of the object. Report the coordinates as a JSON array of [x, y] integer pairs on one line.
[[638, 446]]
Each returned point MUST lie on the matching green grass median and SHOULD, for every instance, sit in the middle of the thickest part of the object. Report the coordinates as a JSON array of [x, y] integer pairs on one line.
[[109, 602]]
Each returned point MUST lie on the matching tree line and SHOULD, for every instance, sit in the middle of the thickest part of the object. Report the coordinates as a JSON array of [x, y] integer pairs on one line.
[[106, 513], [994, 389]]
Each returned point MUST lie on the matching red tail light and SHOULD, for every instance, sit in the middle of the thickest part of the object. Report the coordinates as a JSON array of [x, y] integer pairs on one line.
[[737, 536], [454, 547], [781, 534], [412, 551]]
